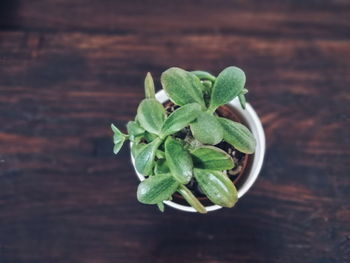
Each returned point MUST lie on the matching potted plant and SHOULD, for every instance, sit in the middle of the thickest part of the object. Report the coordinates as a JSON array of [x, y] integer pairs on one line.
[[190, 145]]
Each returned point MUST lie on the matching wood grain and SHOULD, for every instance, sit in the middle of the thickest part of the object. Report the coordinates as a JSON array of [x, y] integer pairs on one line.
[[70, 68]]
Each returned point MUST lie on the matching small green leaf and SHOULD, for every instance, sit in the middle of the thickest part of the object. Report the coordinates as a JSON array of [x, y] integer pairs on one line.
[[207, 129], [149, 87], [227, 86], [160, 154], [182, 87], [156, 189], [242, 100], [211, 158], [217, 187], [238, 136], [151, 115], [180, 118], [191, 199], [144, 160], [134, 129], [179, 160], [161, 167], [161, 206], [207, 85], [203, 75], [118, 139]]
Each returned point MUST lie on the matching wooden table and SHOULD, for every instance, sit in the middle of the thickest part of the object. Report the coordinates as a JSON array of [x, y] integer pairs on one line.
[[70, 68]]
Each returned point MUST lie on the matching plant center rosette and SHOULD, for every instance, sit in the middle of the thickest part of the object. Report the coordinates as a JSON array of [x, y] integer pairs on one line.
[[188, 146]]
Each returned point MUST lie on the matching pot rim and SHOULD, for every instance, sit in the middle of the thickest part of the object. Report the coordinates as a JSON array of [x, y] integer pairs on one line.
[[252, 120]]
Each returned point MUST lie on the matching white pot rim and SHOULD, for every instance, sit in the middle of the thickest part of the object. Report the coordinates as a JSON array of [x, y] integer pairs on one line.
[[255, 126]]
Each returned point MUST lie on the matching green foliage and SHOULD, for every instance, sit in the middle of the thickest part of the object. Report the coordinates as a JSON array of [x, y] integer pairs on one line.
[[217, 187], [144, 161], [118, 139], [191, 199], [156, 189], [179, 160], [228, 85], [207, 129], [182, 87], [211, 158], [161, 167], [238, 136], [180, 118], [134, 129], [171, 151], [151, 115], [149, 87]]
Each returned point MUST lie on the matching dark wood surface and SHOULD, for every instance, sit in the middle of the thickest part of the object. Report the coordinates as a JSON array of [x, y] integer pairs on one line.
[[70, 68]]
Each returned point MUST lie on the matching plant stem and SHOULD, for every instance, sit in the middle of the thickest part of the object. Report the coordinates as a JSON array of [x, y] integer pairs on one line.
[[191, 199]]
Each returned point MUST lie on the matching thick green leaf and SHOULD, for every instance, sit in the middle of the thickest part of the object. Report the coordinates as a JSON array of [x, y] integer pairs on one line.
[[156, 189], [180, 118], [227, 86], [217, 187], [207, 129], [144, 161], [191, 199], [118, 139], [136, 148], [211, 158], [161, 167], [203, 75], [151, 115], [182, 87], [134, 129], [149, 87], [238, 136], [179, 160]]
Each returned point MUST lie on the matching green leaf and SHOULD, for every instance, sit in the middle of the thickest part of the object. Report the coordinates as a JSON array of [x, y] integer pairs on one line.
[[203, 75], [161, 167], [156, 189], [150, 137], [160, 154], [151, 115], [180, 118], [207, 129], [182, 87], [191, 199], [238, 136], [211, 158], [118, 139], [207, 85], [136, 148], [161, 206], [149, 87], [179, 160], [227, 86], [134, 129], [144, 161], [242, 100], [217, 187]]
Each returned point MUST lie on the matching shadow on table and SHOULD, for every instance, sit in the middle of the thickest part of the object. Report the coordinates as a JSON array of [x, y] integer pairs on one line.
[[8, 14], [220, 236]]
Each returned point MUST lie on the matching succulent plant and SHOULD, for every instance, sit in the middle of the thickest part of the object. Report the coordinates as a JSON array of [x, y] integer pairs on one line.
[[166, 159]]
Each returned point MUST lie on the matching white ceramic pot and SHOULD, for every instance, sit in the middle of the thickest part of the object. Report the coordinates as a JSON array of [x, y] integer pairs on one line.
[[252, 120]]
